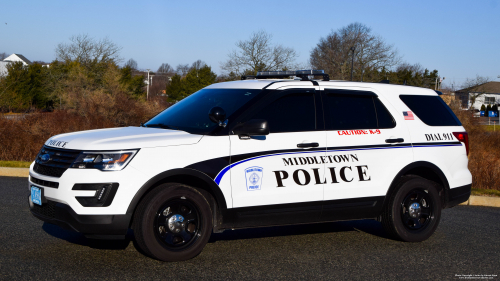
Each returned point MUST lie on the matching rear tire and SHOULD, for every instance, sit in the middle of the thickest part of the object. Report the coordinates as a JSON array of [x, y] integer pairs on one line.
[[413, 211], [173, 222]]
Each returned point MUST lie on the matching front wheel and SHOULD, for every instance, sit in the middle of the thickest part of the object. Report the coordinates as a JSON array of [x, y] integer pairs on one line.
[[413, 211], [173, 223]]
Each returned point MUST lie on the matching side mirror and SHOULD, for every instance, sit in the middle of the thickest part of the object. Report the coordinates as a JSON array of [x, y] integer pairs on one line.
[[254, 127], [217, 115]]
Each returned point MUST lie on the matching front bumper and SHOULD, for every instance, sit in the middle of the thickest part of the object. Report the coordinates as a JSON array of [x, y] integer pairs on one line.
[[92, 226]]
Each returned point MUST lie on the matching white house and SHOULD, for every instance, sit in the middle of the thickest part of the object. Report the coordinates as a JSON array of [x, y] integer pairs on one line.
[[12, 58], [491, 96]]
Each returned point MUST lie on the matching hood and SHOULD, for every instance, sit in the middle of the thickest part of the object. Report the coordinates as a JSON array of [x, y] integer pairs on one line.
[[122, 138]]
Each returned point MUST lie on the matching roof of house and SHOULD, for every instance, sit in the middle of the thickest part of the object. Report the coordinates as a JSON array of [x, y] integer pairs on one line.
[[19, 57], [490, 87]]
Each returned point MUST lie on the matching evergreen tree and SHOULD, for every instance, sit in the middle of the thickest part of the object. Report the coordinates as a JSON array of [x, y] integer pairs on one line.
[[196, 79]]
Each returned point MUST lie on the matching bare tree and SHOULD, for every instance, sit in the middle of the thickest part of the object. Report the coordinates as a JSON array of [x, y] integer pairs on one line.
[[334, 53], [132, 64], [3, 56], [88, 50], [182, 69], [165, 68], [198, 64], [474, 88], [258, 54]]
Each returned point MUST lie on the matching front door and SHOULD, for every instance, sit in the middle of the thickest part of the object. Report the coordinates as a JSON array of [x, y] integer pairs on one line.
[[285, 166]]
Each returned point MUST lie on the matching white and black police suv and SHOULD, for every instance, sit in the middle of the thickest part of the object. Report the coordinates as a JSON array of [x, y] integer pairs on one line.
[[264, 151]]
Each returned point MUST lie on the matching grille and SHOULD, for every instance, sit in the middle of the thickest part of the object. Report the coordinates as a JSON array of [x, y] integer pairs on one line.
[[45, 183], [47, 209], [60, 161]]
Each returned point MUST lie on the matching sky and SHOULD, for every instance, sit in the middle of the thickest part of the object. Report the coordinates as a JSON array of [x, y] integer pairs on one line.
[[461, 39]]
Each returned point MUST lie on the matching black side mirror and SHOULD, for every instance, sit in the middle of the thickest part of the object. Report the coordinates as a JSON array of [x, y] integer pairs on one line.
[[217, 115], [254, 127]]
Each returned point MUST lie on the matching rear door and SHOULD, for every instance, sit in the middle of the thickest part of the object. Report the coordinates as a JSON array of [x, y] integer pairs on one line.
[[367, 145]]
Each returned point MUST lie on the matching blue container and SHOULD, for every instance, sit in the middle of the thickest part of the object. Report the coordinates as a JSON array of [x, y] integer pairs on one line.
[[482, 113], [493, 114]]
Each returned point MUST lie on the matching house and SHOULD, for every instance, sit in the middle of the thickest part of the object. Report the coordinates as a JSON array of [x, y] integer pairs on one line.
[[12, 58], [491, 95]]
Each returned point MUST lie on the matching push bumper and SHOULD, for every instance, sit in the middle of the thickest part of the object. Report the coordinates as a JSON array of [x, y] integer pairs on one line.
[[92, 226]]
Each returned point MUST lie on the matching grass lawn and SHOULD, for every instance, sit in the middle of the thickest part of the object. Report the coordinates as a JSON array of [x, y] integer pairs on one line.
[[491, 128], [15, 164], [486, 192]]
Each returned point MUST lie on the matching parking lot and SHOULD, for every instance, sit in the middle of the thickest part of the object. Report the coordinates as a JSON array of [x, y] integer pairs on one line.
[[466, 243]]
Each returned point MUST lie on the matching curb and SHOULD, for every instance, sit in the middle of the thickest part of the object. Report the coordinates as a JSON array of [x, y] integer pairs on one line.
[[474, 200], [14, 172]]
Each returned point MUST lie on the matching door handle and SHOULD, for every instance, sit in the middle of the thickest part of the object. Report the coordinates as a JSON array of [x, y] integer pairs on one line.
[[307, 145], [394, 140]]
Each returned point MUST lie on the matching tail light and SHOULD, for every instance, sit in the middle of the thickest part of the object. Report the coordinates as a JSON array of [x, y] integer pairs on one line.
[[463, 137]]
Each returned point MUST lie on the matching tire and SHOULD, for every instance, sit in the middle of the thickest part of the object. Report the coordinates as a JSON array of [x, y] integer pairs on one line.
[[413, 211], [173, 222]]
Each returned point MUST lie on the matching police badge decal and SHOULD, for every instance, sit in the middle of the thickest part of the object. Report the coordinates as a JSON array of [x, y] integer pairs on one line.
[[253, 176]]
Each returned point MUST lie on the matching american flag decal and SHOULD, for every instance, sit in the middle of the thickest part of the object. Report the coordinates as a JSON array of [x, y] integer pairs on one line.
[[408, 115]]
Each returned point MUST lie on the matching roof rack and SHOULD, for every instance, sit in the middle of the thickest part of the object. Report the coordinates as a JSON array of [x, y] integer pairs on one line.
[[303, 74]]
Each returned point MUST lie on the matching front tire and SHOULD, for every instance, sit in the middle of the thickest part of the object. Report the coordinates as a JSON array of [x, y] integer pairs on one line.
[[413, 211], [173, 222]]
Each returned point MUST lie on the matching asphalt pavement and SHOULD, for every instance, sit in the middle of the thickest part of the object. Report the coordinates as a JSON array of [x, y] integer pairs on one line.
[[466, 244]]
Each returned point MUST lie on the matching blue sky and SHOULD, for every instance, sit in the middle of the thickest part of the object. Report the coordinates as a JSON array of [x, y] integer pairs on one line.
[[459, 38]]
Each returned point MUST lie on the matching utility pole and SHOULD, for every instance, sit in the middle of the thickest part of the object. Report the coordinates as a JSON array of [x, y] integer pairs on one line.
[[352, 61], [147, 93]]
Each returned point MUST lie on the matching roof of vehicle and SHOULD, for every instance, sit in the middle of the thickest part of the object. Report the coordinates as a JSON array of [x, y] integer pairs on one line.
[[287, 83]]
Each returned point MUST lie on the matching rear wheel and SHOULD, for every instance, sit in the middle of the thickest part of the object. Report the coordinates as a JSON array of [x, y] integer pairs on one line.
[[413, 211], [173, 222]]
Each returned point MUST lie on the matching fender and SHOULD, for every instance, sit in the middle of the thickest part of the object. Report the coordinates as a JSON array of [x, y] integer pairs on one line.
[[219, 197], [421, 164]]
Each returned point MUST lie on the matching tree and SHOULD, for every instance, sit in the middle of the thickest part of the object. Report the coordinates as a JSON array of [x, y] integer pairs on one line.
[[134, 85], [94, 55], [3, 56], [483, 107], [26, 87], [474, 88], [258, 54], [132, 64], [88, 51], [182, 69], [334, 52], [195, 79], [165, 68]]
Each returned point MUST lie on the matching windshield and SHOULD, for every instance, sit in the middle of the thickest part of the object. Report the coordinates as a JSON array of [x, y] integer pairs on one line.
[[191, 113]]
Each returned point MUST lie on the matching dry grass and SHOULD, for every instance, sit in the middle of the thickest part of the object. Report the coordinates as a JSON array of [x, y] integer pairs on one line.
[[484, 155], [21, 139]]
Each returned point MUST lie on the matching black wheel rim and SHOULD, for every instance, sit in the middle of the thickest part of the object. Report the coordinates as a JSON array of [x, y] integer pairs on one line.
[[177, 224], [416, 210]]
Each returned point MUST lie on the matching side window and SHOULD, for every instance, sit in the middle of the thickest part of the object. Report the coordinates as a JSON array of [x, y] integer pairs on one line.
[[432, 110], [351, 112], [291, 113]]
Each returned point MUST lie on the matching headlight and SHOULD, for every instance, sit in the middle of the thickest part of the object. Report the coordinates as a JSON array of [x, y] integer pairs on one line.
[[104, 161]]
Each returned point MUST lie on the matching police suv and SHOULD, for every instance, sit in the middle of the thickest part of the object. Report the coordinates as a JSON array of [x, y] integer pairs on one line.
[[264, 151]]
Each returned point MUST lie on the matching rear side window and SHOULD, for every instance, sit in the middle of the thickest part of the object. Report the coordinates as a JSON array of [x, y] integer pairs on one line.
[[351, 111], [432, 110]]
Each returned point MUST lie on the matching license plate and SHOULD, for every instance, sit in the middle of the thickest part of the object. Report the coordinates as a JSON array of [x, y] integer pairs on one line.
[[36, 195]]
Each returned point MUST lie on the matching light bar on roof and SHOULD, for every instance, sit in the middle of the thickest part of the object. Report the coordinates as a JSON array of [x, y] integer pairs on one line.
[[304, 74]]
